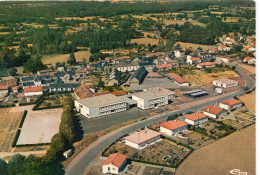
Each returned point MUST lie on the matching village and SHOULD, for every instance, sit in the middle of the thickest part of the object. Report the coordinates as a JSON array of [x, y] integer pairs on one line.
[[157, 80], [129, 88]]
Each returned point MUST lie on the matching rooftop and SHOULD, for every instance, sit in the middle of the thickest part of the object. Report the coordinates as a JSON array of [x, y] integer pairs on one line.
[[177, 78], [195, 116], [163, 66], [195, 59], [153, 92], [207, 64], [142, 136], [116, 159], [231, 102], [3, 87], [33, 89], [173, 124], [213, 110], [101, 100], [83, 91]]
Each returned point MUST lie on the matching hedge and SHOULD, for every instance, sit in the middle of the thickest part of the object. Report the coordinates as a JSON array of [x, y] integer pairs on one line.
[[23, 118], [7, 106], [16, 137], [40, 100], [24, 104]]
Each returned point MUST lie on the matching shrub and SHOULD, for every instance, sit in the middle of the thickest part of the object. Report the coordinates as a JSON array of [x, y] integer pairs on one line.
[[23, 118], [16, 137]]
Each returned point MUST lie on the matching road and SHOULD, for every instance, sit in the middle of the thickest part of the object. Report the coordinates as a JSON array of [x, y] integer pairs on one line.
[[78, 165]]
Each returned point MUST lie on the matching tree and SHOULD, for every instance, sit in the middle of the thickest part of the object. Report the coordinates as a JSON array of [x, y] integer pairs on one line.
[[13, 72], [100, 83], [16, 164], [34, 64], [3, 167], [72, 59]]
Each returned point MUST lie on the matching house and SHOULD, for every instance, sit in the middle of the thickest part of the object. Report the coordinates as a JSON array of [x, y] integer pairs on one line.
[[164, 67], [15, 89], [230, 104], [214, 112], [63, 87], [213, 50], [114, 163], [83, 91], [153, 97], [225, 83], [196, 118], [10, 83], [179, 53], [131, 66], [193, 60], [4, 91], [173, 62], [206, 65], [100, 105], [159, 61], [114, 78], [142, 139], [156, 54], [31, 91], [138, 76], [178, 79], [249, 60], [173, 127], [222, 59], [224, 48]]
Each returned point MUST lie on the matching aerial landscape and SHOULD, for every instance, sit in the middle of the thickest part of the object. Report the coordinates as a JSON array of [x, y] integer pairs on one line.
[[129, 87]]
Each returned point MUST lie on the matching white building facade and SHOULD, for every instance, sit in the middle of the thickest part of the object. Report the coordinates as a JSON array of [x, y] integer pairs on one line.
[[100, 105], [225, 83]]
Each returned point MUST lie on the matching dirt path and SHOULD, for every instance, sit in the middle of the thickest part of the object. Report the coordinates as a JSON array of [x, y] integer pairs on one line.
[[236, 151]]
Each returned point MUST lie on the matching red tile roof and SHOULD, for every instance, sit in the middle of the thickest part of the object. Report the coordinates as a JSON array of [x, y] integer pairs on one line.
[[231, 102], [155, 54], [15, 87], [8, 83], [33, 89], [207, 64], [195, 116], [3, 87], [116, 159], [83, 91], [163, 66], [213, 110], [248, 58], [195, 59], [173, 124], [177, 78]]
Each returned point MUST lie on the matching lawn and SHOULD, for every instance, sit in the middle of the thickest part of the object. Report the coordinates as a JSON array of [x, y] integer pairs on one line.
[[52, 60], [195, 46], [145, 41], [181, 22], [154, 153]]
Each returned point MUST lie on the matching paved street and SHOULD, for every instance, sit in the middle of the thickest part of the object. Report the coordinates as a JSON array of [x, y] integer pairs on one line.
[[79, 164], [102, 123]]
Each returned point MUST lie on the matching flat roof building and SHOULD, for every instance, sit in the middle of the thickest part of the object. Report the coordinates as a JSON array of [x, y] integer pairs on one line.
[[100, 105], [225, 83], [153, 97]]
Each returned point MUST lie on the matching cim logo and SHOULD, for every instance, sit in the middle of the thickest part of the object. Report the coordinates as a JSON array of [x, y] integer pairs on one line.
[[237, 172]]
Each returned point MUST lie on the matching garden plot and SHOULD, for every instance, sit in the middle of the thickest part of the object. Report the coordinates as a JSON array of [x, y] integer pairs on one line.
[[166, 153], [40, 126], [54, 100]]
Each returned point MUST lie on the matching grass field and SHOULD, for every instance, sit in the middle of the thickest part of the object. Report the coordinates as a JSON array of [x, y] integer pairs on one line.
[[236, 151], [9, 122], [249, 100], [195, 46], [202, 78], [251, 69], [64, 57], [145, 41]]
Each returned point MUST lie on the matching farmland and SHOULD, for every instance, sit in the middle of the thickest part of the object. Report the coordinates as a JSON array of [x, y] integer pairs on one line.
[[249, 100], [241, 155], [9, 122]]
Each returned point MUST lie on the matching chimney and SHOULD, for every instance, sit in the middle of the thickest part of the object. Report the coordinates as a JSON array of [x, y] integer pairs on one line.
[[175, 120]]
